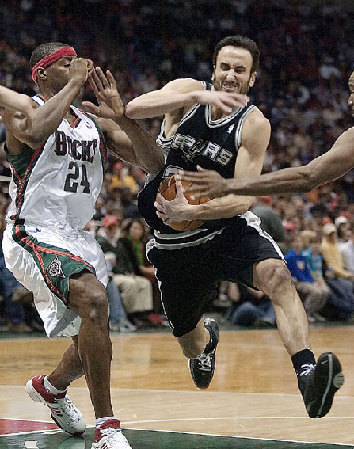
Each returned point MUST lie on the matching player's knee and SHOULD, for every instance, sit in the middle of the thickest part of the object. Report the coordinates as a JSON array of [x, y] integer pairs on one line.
[[97, 309], [277, 280], [89, 300]]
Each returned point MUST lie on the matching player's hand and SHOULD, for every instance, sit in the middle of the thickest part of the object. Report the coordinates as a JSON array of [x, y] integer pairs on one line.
[[207, 182], [173, 210], [79, 69], [104, 86], [226, 101]]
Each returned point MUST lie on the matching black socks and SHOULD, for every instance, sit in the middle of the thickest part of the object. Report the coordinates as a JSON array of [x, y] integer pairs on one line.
[[303, 362]]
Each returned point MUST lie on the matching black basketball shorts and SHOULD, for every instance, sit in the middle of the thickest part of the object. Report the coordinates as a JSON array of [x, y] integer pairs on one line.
[[187, 275]]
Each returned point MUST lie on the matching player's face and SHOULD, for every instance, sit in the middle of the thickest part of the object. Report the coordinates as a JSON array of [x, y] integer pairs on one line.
[[58, 74], [351, 95], [232, 71]]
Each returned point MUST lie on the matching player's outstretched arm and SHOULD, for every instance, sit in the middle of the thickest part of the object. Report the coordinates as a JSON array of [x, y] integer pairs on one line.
[[328, 167], [20, 106], [181, 94], [9, 99], [46, 119], [124, 137]]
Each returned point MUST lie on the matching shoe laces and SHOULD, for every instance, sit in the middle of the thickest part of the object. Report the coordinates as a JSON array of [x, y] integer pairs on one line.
[[204, 361], [306, 369], [65, 406], [113, 435]]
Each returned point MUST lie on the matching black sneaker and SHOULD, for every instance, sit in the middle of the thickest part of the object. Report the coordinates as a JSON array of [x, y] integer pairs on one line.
[[202, 368], [323, 382]]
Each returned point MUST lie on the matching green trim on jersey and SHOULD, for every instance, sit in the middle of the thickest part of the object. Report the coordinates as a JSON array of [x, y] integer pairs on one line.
[[21, 161], [56, 264], [23, 165]]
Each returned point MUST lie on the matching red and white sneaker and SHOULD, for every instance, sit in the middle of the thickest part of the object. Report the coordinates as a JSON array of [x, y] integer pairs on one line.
[[109, 436], [63, 411]]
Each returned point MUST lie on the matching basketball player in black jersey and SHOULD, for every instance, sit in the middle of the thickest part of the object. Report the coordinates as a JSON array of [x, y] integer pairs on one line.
[[206, 125], [329, 166]]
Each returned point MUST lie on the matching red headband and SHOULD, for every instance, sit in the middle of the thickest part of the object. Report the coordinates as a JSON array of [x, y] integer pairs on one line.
[[51, 58]]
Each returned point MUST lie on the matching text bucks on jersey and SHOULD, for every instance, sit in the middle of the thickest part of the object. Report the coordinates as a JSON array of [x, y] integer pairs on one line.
[[58, 183]]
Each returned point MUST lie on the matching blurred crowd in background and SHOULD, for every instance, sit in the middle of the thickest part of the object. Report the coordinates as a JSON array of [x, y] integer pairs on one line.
[[306, 59]]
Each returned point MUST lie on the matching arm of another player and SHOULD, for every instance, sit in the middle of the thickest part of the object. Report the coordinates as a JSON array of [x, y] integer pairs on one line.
[[255, 139], [19, 104], [181, 94], [9, 99], [331, 165], [124, 137], [46, 119]]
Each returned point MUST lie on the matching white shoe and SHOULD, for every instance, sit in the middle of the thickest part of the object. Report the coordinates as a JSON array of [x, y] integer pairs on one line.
[[126, 326], [114, 326], [109, 436], [319, 317], [63, 411]]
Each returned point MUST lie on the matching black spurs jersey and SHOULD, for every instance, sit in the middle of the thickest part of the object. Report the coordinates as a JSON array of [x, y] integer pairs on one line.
[[198, 141]]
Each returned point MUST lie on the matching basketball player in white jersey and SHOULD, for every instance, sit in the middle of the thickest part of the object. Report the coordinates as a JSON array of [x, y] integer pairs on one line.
[[230, 245], [57, 163], [329, 166]]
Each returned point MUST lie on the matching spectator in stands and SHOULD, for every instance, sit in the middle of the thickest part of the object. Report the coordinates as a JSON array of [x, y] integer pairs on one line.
[[252, 308], [118, 320], [338, 278], [332, 255], [342, 224], [132, 244], [313, 298], [346, 248], [122, 179], [109, 234], [9, 287], [135, 289], [270, 219], [316, 268]]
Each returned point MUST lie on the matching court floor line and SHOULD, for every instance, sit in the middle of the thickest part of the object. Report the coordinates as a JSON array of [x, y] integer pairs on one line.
[[244, 438], [243, 418], [186, 391], [54, 431], [16, 434]]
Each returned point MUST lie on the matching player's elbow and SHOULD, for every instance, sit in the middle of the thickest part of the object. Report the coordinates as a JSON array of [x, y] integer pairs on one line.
[[309, 179], [132, 110]]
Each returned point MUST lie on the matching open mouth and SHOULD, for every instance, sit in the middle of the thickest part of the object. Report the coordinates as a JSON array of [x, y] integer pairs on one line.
[[229, 87]]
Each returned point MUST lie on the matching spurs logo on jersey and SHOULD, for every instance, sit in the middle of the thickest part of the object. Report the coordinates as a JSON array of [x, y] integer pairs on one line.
[[192, 148], [84, 150], [199, 140], [55, 269]]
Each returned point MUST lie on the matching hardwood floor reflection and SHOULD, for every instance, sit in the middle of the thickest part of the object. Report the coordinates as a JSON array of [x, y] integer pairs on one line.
[[253, 393]]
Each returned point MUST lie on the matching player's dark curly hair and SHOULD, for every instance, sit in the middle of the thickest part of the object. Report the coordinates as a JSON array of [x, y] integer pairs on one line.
[[44, 50], [239, 41]]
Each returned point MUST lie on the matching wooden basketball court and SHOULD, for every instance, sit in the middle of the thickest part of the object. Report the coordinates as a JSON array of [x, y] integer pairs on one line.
[[252, 402]]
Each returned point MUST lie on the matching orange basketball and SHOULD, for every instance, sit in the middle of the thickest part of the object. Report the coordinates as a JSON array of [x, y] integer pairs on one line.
[[168, 191]]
